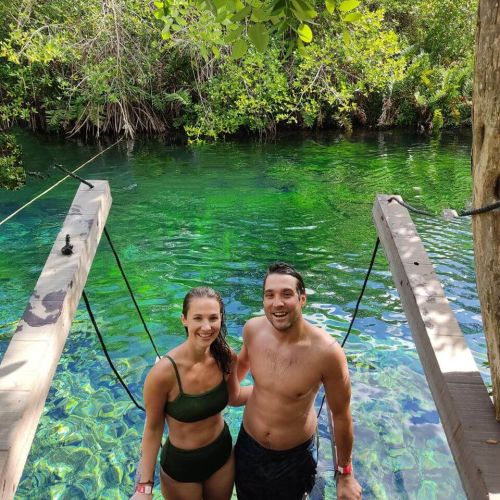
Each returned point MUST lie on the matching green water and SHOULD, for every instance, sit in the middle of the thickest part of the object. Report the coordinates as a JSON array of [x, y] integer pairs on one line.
[[217, 215]]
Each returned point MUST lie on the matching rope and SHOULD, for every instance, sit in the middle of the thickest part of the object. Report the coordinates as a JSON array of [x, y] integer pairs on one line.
[[101, 340], [130, 291], [71, 174], [363, 288], [463, 213], [481, 210], [411, 208], [56, 184]]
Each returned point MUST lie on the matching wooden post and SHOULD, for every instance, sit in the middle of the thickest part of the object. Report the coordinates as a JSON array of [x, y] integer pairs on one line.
[[461, 398], [28, 366], [486, 175]]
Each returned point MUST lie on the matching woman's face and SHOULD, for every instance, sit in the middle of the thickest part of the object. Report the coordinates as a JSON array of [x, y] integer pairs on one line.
[[203, 320]]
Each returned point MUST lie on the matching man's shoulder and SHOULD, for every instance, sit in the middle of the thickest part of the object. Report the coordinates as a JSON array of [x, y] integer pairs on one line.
[[324, 343], [255, 328], [320, 335], [255, 323]]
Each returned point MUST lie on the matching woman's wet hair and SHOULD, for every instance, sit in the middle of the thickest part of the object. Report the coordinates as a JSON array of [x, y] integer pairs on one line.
[[284, 268], [219, 348]]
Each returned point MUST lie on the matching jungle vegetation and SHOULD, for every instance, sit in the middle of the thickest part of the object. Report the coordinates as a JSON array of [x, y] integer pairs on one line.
[[209, 69]]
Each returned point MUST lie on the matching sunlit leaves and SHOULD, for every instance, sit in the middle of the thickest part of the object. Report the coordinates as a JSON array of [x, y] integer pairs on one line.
[[348, 5], [305, 33], [346, 38], [330, 6], [353, 17]]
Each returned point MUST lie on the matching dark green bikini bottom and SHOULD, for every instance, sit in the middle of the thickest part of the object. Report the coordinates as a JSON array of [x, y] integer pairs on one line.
[[196, 466]]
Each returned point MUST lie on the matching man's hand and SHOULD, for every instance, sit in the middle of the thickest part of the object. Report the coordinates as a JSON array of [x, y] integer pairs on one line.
[[348, 488]]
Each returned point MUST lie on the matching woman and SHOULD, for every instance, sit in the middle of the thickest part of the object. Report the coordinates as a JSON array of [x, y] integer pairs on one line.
[[190, 387]]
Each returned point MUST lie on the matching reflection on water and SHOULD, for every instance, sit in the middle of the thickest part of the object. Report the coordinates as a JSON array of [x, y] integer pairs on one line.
[[218, 215]]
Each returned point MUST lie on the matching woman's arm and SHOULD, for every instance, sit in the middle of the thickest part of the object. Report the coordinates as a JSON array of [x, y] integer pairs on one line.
[[156, 388], [238, 395]]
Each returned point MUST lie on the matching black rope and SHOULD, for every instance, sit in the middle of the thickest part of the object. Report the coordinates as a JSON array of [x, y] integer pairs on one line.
[[482, 210], [411, 208], [130, 291], [463, 213], [71, 174], [101, 340], [363, 288]]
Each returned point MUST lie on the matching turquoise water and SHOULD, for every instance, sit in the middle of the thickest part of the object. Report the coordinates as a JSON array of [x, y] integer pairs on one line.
[[217, 215]]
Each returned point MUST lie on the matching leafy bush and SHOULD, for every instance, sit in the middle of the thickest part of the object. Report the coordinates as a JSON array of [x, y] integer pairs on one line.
[[427, 88], [250, 94], [12, 174], [98, 68], [343, 68]]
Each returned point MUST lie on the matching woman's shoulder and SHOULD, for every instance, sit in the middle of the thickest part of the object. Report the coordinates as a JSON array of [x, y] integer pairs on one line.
[[163, 372]]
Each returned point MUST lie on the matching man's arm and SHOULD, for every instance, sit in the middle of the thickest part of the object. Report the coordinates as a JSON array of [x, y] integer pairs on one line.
[[337, 384]]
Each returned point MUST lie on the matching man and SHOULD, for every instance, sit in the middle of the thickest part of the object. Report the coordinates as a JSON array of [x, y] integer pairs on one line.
[[289, 359]]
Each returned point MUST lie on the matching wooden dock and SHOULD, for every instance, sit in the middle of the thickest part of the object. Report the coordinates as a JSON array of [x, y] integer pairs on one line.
[[465, 408], [29, 364]]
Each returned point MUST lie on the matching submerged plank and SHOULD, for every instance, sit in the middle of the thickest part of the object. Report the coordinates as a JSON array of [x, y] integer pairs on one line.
[[29, 364], [461, 398]]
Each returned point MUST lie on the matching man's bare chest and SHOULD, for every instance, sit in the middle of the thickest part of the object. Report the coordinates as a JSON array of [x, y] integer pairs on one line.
[[287, 373]]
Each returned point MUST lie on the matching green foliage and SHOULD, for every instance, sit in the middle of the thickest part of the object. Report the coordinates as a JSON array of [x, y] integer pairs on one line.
[[257, 21], [437, 120], [343, 67], [12, 174], [218, 67], [427, 88], [83, 67], [251, 94]]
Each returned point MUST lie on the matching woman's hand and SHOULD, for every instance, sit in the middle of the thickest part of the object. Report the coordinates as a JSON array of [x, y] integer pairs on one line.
[[234, 362], [141, 496], [238, 395]]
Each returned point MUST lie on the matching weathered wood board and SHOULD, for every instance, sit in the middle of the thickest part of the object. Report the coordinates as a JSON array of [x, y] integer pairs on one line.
[[29, 364], [462, 400]]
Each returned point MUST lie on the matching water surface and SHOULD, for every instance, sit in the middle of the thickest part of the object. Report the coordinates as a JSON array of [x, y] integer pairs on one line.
[[217, 215]]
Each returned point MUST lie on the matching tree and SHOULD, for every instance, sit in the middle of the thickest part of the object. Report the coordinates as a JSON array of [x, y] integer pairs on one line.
[[486, 175]]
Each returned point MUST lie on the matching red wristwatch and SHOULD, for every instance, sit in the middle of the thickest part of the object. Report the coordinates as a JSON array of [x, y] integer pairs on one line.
[[146, 488], [344, 470]]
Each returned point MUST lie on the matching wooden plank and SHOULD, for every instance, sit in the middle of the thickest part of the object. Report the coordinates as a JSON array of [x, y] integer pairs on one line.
[[31, 359], [461, 398]]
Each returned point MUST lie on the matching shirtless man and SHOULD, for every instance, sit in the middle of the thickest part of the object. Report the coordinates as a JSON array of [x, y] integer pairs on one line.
[[289, 359]]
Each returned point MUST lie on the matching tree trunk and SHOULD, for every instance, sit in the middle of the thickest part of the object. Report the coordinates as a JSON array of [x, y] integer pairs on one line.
[[486, 175]]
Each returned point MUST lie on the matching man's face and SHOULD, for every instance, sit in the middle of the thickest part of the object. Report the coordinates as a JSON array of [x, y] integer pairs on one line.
[[282, 304]]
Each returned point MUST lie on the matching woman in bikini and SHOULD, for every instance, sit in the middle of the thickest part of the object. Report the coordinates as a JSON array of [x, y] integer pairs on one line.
[[189, 388]]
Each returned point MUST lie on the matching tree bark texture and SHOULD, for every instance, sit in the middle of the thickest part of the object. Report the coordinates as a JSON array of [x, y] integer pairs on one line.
[[486, 176]]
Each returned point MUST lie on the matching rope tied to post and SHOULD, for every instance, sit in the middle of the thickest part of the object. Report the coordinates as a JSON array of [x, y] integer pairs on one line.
[[447, 213]]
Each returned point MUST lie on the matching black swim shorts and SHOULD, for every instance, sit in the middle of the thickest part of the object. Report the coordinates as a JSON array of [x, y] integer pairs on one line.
[[263, 474]]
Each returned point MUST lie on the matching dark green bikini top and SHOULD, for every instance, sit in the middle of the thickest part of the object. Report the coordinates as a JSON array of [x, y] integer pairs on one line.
[[195, 407]]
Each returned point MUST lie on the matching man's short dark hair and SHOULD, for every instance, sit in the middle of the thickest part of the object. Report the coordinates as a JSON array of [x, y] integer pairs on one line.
[[284, 268]]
